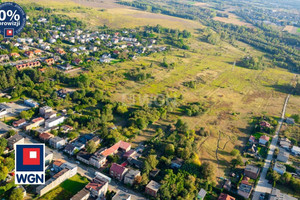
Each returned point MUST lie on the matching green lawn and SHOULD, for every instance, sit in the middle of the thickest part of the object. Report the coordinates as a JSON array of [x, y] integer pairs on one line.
[[258, 135], [298, 30], [66, 189]]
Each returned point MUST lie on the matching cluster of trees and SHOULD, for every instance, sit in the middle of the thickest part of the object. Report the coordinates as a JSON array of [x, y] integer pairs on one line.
[[252, 62], [285, 179], [195, 109]]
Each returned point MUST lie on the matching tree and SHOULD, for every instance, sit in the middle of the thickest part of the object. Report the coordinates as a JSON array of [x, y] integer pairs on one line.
[[208, 170], [91, 146], [3, 172], [16, 194], [150, 163], [170, 149], [3, 144], [11, 133], [234, 152], [72, 135]]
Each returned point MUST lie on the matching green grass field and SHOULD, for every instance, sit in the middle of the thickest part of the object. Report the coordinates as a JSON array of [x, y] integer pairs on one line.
[[66, 189]]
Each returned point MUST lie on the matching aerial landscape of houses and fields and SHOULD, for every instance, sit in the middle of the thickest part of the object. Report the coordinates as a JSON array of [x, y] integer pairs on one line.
[[154, 99]]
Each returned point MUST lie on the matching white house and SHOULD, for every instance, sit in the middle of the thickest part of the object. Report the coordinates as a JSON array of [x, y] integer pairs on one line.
[[296, 150], [52, 40], [54, 121], [279, 168], [73, 49], [264, 139]]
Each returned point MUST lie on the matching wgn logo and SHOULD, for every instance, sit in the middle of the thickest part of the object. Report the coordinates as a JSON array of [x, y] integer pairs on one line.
[[30, 164]]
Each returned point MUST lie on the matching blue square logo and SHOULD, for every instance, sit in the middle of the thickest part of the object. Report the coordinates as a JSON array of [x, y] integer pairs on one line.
[[30, 157]]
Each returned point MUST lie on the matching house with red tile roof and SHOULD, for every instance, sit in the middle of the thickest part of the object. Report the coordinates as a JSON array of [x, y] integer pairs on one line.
[[45, 136], [19, 123], [28, 65], [264, 139], [252, 139], [37, 52], [98, 189], [16, 55], [123, 146], [265, 124], [77, 61], [117, 171], [29, 54], [49, 61]]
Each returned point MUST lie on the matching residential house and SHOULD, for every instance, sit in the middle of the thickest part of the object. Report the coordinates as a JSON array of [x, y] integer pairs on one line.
[[29, 54], [35, 123], [295, 150], [57, 164], [49, 61], [77, 61], [227, 185], [251, 139], [45, 109], [48, 157], [252, 171], [31, 103], [176, 163], [264, 139], [283, 155], [117, 171], [37, 52], [265, 124], [154, 172], [97, 160], [14, 55], [28, 65], [122, 146], [57, 142], [60, 51], [129, 154], [50, 115], [3, 111], [66, 128], [130, 176], [152, 188], [285, 143], [19, 123], [121, 196], [106, 58], [290, 120], [52, 40], [279, 168], [54, 121], [277, 195], [224, 196], [84, 157], [4, 58], [15, 139], [73, 49], [70, 149], [245, 189], [98, 188], [201, 194], [135, 162]]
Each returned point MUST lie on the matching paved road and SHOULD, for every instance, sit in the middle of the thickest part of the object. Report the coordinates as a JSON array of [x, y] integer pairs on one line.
[[86, 171], [263, 186]]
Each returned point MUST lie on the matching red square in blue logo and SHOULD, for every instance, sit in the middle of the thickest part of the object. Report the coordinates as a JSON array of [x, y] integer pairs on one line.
[[30, 157], [9, 33]]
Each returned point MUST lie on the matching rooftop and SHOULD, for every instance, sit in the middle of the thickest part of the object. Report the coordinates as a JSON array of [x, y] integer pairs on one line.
[[58, 162], [82, 193], [15, 138], [121, 196], [252, 168], [153, 185], [117, 168], [224, 196], [245, 187]]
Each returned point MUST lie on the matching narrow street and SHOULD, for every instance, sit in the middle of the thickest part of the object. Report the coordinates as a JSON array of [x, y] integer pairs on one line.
[[263, 186]]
